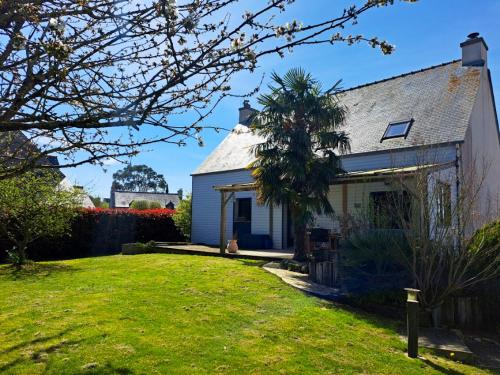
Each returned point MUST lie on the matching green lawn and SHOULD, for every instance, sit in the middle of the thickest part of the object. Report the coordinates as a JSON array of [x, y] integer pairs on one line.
[[173, 314]]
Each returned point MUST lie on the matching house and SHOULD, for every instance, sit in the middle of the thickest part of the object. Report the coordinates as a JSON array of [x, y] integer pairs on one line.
[[17, 147], [442, 118], [84, 198], [123, 199]]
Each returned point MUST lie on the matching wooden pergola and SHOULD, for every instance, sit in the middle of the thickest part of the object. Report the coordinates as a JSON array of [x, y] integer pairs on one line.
[[227, 191], [226, 194]]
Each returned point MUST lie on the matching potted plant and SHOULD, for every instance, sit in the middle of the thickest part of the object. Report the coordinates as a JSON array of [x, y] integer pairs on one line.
[[232, 245]]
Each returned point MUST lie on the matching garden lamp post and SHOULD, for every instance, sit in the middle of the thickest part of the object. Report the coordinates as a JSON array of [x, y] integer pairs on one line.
[[412, 321]]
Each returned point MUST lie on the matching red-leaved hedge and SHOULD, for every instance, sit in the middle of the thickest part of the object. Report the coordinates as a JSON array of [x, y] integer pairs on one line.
[[102, 231]]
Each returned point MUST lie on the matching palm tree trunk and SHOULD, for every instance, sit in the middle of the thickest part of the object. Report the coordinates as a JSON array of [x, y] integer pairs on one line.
[[299, 230]]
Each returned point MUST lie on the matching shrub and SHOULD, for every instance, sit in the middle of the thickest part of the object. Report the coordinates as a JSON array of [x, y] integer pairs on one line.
[[487, 237], [139, 248], [139, 205], [376, 252], [34, 206], [102, 231], [154, 205], [182, 216], [485, 247]]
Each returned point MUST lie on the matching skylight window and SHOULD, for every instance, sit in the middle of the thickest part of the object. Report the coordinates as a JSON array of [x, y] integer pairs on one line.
[[397, 129]]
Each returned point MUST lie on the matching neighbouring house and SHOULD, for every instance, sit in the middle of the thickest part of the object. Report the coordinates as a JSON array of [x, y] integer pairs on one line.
[[123, 199], [84, 198], [443, 116], [16, 146]]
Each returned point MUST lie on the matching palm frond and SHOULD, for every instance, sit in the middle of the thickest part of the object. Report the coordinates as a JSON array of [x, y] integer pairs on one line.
[[298, 120]]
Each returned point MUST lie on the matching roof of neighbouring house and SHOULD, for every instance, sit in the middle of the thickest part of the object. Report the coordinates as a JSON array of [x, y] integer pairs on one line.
[[439, 99], [15, 147], [84, 198], [125, 198]]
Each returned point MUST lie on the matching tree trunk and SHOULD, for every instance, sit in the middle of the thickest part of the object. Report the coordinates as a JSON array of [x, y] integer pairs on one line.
[[299, 230], [20, 254]]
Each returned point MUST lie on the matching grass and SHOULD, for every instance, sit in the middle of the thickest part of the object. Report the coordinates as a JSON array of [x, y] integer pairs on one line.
[[177, 314]]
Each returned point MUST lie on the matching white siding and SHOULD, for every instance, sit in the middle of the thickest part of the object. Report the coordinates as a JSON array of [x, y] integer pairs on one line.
[[358, 196], [481, 155], [206, 209], [206, 201], [447, 176], [328, 222], [401, 158]]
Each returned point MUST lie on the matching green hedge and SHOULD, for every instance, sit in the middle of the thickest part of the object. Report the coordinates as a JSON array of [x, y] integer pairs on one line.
[[102, 232]]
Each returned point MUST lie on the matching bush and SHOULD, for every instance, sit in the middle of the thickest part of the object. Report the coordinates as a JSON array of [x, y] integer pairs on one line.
[[103, 231], [138, 248], [486, 241], [145, 205], [376, 252], [154, 205], [375, 270], [182, 217], [34, 206]]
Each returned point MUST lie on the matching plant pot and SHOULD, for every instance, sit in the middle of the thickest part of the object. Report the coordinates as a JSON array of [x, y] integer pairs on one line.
[[232, 246]]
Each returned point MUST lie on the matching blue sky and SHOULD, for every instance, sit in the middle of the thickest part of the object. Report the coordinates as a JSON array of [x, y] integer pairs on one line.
[[425, 33]]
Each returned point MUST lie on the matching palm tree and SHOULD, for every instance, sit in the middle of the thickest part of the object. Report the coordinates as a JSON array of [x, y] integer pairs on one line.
[[297, 163]]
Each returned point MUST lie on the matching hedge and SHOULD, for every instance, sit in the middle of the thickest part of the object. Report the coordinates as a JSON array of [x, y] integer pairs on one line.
[[102, 231]]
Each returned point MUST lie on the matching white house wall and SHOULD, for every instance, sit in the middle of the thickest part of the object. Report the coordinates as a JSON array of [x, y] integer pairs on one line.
[[358, 196], [481, 154], [447, 176], [206, 209], [206, 201]]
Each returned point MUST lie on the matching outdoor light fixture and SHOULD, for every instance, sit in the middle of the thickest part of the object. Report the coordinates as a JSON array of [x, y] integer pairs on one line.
[[412, 294], [412, 321]]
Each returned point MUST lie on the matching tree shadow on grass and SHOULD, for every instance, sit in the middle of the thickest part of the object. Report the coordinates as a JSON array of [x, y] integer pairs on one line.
[[252, 263], [108, 368], [37, 340], [439, 368], [35, 270], [41, 354]]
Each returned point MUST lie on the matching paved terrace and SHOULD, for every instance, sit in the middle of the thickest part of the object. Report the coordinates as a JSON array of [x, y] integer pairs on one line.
[[263, 254]]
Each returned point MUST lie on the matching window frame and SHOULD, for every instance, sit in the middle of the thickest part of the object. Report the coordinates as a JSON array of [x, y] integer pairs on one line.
[[384, 204], [443, 204], [408, 122], [237, 208]]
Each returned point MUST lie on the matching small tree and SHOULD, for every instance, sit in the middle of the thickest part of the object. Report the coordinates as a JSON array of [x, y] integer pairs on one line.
[[445, 258], [33, 206], [182, 216], [299, 159]]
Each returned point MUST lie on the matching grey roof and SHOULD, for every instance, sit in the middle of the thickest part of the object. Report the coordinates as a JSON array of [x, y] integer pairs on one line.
[[122, 199], [15, 146], [439, 99]]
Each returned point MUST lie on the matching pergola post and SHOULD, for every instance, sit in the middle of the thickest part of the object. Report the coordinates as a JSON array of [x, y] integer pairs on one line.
[[271, 220], [224, 198], [344, 209], [222, 239]]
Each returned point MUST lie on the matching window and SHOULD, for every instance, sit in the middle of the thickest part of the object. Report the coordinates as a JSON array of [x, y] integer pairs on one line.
[[443, 197], [243, 210], [389, 207], [397, 129]]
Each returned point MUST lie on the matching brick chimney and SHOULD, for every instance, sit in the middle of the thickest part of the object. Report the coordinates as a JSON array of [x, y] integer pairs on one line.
[[474, 51], [245, 113]]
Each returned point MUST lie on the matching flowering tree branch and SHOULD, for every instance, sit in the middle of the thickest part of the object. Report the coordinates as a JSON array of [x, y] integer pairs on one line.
[[81, 78]]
